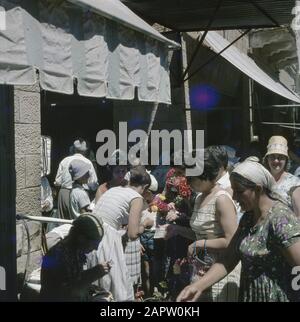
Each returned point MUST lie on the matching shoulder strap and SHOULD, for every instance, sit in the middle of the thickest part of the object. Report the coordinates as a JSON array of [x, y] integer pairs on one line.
[[226, 193]]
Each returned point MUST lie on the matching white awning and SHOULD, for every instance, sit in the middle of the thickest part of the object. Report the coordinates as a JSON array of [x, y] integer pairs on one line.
[[248, 66], [117, 11], [105, 47]]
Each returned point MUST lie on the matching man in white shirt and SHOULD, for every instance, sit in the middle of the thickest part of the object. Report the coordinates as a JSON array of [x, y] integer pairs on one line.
[[64, 180]]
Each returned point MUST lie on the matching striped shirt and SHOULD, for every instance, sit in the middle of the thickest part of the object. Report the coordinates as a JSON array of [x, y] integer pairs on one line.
[[114, 206]]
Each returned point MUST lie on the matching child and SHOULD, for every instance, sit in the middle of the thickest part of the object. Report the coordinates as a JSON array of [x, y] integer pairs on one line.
[[79, 198]]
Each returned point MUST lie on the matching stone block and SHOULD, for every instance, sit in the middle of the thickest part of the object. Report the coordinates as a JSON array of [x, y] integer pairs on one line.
[[27, 139], [20, 172], [33, 170], [30, 107], [28, 201]]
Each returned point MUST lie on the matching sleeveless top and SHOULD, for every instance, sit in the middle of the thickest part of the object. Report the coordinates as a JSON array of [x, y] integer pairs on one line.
[[204, 222], [114, 206]]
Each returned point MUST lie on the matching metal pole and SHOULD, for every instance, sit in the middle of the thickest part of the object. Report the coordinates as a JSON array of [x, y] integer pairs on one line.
[[200, 41], [45, 219], [188, 114], [258, 7], [216, 55]]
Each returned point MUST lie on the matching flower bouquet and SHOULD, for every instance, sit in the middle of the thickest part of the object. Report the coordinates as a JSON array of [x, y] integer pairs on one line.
[[178, 190]]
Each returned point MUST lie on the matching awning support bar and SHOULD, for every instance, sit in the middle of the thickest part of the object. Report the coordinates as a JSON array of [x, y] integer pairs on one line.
[[200, 40], [262, 10], [217, 55]]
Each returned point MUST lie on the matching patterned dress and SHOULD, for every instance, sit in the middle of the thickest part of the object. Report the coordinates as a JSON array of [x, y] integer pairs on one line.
[[266, 275], [284, 186], [206, 226]]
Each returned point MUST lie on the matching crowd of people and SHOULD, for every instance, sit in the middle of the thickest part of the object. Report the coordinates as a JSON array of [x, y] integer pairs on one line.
[[229, 234]]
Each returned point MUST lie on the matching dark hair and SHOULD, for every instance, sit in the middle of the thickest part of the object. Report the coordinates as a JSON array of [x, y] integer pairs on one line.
[[88, 225], [139, 176], [211, 167], [220, 154], [242, 181]]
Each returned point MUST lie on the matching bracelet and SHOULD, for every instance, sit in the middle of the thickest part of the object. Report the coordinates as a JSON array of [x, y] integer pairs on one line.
[[205, 251], [194, 248]]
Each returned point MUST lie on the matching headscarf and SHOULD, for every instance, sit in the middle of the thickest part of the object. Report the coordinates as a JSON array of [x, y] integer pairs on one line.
[[78, 168], [253, 171]]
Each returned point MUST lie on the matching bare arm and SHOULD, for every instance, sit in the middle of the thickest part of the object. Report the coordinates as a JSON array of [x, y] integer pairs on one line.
[[58, 178], [134, 224], [292, 254], [100, 191], [218, 271], [226, 214]]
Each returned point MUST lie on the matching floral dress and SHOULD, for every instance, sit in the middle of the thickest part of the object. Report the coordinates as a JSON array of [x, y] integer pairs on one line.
[[284, 186], [266, 275]]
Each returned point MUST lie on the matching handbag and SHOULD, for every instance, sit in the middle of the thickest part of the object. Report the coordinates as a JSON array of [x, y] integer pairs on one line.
[[201, 263], [190, 269]]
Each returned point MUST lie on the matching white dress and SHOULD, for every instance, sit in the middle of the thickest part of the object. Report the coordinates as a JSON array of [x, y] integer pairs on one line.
[[113, 207]]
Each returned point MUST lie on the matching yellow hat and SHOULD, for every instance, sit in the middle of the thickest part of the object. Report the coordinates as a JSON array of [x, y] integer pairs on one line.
[[277, 145]]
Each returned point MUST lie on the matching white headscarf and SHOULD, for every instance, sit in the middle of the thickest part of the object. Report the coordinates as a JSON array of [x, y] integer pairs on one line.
[[252, 170]]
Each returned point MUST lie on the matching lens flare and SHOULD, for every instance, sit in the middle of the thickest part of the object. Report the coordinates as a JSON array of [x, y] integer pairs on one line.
[[204, 97]]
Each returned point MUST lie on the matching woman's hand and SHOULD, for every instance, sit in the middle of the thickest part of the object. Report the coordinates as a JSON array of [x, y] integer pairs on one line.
[[172, 215], [190, 293], [191, 249], [194, 246], [104, 268], [171, 206], [148, 222]]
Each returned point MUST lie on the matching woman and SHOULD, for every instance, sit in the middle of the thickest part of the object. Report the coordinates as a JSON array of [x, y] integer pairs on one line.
[[276, 161], [267, 242], [177, 195], [213, 223], [116, 178], [117, 207], [62, 275]]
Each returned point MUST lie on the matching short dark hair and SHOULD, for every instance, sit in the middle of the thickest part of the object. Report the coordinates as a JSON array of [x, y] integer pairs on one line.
[[139, 176], [248, 184], [220, 154], [211, 167]]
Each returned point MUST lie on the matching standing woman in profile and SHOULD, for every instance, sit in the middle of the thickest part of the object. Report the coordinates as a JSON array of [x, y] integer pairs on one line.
[[117, 207], [267, 242], [213, 223]]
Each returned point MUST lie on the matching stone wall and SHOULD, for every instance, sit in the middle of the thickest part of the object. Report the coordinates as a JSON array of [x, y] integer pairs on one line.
[[28, 160]]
